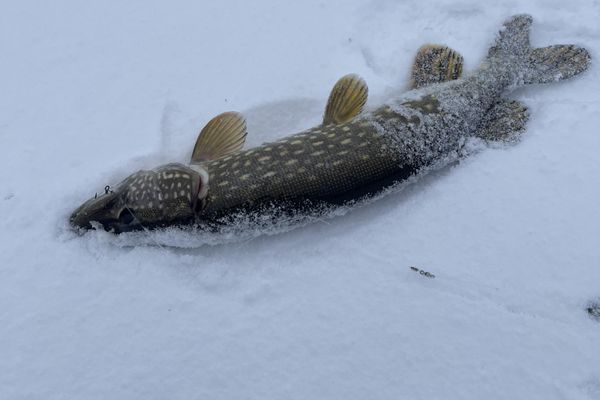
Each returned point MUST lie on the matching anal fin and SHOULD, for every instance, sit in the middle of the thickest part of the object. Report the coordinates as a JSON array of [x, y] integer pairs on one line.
[[504, 122], [434, 64], [222, 135], [347, 99]]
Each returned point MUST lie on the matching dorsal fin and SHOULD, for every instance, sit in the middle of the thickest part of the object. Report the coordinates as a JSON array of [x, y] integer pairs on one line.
[[224, 134], [346, 100], [435, 63]]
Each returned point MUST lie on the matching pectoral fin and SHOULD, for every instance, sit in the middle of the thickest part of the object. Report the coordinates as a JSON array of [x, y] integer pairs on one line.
[[505, 121], [434, 64], [224, 134], [347, 99]]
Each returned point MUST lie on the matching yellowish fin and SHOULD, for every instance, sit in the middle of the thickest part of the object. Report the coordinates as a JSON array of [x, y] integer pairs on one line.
[[434, 64], [223, 135], [504, 122], [347, 99]]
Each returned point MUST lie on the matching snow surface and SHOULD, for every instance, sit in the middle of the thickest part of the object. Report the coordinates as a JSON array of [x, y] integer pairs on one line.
[[92, 91]]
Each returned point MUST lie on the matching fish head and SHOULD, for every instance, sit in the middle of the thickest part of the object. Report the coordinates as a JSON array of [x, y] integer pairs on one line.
[[164, 196]]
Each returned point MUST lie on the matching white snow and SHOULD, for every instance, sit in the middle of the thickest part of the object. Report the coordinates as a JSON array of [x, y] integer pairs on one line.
[[92, 91]]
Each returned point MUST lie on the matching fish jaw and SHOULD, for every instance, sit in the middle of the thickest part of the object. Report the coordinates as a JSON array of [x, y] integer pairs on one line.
[[148, 199], [101, 210]]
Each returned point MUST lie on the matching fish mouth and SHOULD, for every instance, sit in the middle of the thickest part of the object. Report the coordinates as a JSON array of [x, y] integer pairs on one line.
[[82, 218], [83, 223], [96, 214], [99, 213], [78, 220]]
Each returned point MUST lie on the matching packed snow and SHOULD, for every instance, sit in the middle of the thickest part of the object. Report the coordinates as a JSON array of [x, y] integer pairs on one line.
[[506, 244]]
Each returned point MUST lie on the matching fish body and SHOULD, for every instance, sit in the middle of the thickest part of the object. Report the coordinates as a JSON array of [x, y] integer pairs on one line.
[[329, 164], [341, 162]]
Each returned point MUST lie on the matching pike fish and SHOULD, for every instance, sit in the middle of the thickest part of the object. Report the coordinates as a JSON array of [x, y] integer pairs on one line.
[[353, 155]]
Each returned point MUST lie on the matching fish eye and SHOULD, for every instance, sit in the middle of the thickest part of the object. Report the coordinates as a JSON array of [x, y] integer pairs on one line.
[[126, 216]]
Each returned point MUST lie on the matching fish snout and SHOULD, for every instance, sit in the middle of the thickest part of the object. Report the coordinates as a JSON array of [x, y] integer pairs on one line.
[[79, 219], [103, 210]]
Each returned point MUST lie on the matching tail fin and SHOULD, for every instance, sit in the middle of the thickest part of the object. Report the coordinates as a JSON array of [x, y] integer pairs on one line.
[[555, 63], [541, 65]]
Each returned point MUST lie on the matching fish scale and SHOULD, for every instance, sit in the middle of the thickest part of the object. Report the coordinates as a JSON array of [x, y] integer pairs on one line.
[[324, 163]]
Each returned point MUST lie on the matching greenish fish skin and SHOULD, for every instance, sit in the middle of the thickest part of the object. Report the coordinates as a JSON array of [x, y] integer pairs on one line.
[[332, 164]]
